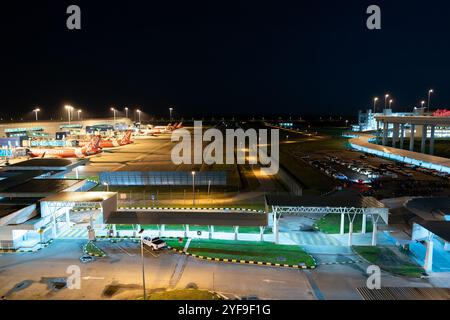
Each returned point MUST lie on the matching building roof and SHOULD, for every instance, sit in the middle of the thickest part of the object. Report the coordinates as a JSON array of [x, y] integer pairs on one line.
[[47, 164], [439, 228], [336, 199], [38, 187], [419, 120], [191, 217], [429, 208], [80, 196]]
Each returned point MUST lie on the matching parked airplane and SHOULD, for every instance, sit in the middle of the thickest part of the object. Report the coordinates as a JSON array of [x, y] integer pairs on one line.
[[78, 152], [111, 143]]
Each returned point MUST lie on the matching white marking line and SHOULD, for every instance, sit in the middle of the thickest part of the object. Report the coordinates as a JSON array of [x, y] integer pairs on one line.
[[149, 251], [273, 281], [93, 278], [131, 255], [186, 246]]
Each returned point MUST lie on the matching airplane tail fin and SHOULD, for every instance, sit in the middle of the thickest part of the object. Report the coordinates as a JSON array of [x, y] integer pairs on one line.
[[94, 144], [126, 137], [179, 125]]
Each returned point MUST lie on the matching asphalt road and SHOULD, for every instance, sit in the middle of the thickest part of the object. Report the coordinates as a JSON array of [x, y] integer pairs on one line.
[[119, 275]]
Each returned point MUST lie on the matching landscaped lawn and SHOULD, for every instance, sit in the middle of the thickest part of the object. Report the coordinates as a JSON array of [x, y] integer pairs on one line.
[[386, 259], [130, 227], [92, 249], [183, 294], [246, 250], [331, 224]]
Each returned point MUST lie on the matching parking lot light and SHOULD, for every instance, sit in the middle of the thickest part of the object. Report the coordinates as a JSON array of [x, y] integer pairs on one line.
[[141, 232]]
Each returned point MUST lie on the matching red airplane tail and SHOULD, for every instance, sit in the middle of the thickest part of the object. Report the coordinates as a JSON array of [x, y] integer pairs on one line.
[[94, 144], [126, 137]]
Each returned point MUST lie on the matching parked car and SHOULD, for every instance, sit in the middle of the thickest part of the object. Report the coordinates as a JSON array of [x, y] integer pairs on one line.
[[154, 243]]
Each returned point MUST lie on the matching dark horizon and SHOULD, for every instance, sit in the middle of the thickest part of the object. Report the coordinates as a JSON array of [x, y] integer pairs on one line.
[[228, 58]]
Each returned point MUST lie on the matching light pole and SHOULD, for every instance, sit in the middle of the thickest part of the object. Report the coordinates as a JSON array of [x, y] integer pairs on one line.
[[390, 103], [193, 188], [139, 115], [107, 186], [170, 111], [385, 100], [374, 103], [126, 112], [422, 103], [114, 113], [429, 98], [78, 112], [36, 112], [141, 232], [69, 109]]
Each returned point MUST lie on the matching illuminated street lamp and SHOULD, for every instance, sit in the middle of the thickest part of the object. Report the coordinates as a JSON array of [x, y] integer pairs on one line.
[[126, 112], [429, 98], [36, 112], [385, 100], [139, 115], [170, 111], [422, 103], [79, 112], [390, 103], [69, 111], [193, 188], [141, 232], [374, 103], [114, 112]]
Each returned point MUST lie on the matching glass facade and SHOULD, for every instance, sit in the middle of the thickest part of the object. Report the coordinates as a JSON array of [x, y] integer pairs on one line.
[[163, 178]]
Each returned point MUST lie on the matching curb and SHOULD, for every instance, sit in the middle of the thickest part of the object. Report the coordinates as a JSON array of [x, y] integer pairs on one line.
[[343, 262], [93, 254], [44, 245], [282, 265]]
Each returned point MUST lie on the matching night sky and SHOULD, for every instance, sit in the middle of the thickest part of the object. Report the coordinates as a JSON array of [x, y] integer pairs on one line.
[[217, 57]]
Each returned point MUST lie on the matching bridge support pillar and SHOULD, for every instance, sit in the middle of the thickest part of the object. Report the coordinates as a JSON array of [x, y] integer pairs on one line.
[[429, 255], [424, 138], [261, 233], [211, 231], [350, 233], [395, 135], [411, 137], [374, 232], [363, 226], [342, 230], [275, 227], [186, 230], [385, 133], [433, 128], [402, 135], [68, 217]]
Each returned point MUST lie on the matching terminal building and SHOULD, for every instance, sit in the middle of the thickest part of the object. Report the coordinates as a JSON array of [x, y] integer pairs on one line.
[[22, 188], [374, 122]]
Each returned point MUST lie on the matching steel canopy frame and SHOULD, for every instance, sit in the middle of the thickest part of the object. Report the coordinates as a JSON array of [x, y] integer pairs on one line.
[[376, 212]]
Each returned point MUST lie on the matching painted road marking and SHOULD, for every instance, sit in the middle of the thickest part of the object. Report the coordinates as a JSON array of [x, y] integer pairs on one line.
[[92, 278], [188, 242], [129, 254], [273, 281]]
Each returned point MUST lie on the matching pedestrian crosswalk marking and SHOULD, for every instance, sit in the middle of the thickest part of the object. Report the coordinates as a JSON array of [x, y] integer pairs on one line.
[[73, 233]]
